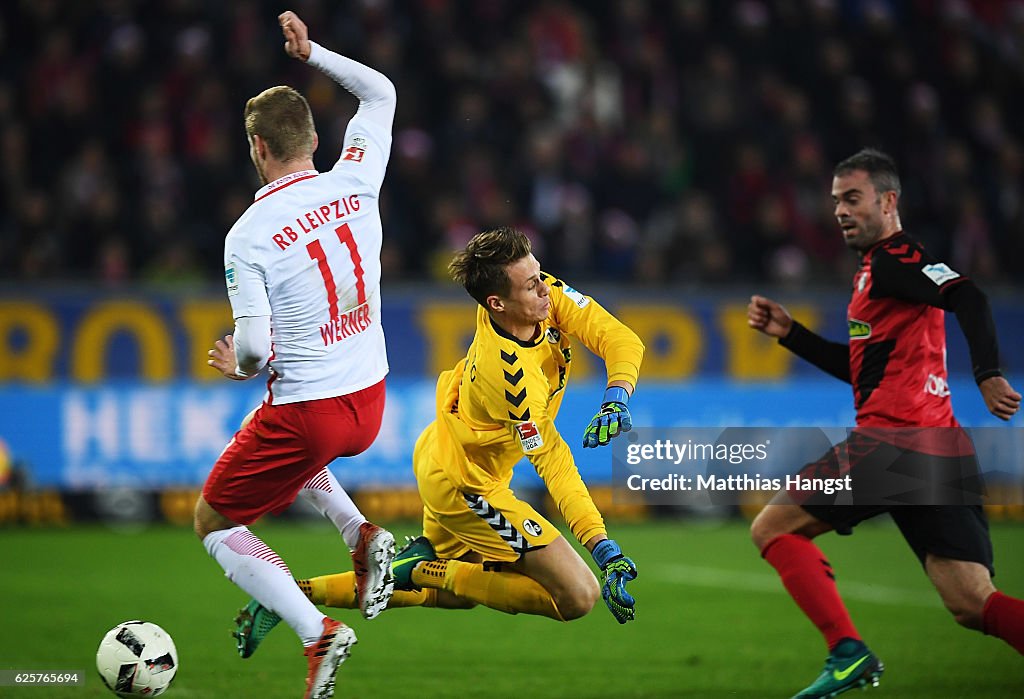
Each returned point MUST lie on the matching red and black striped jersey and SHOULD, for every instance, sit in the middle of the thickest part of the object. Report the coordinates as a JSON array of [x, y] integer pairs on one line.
[[898, 336], [896, 355]]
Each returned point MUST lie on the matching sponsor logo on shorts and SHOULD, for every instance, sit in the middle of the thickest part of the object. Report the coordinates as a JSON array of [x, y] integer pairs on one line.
[[529, 436], [532, 528]]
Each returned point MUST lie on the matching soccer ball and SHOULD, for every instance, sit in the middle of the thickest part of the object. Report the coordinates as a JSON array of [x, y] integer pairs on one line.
[[137, 659]]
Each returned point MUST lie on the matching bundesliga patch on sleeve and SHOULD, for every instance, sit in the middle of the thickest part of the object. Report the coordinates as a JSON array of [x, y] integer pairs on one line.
[[575, 296], [356, 150], [940, 273], [231, 279], [529, 436]]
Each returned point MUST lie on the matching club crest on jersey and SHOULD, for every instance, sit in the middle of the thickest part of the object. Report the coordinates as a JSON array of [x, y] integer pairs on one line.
[[862, 281], [553, 335], [231, 279], [940, 273], [356, 151], [532, 528], [529, 436], [859, 330], [576, 297]]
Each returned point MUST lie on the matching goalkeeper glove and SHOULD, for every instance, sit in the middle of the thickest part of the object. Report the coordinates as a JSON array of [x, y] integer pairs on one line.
[[611, 420], [616, 571]]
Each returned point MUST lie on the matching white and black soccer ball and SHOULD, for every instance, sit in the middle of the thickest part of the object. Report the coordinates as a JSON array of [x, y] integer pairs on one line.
[[137, 659]]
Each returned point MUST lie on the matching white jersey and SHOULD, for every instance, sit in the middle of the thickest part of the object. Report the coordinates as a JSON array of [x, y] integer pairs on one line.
[[307, 254]]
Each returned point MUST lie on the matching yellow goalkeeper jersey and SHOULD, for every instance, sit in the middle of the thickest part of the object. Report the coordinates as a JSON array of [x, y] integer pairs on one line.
[[500, 402]]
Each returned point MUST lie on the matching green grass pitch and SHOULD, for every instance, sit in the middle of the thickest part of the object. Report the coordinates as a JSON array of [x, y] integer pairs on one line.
[[712, 621]]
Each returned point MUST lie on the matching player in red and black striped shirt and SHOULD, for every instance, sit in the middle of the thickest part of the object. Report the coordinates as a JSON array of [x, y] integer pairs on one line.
[[896, 362]]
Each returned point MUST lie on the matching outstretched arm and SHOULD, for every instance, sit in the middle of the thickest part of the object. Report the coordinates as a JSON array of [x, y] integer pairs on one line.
[[774, 320], [607, 337], [376, 94], [554, 463]]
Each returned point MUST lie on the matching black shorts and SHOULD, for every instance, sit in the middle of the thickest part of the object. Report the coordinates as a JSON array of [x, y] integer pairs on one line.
[[932, 517], [959, 532], [888, 467]]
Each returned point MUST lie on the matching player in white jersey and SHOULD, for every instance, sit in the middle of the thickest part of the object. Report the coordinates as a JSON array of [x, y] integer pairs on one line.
[[302, 266]]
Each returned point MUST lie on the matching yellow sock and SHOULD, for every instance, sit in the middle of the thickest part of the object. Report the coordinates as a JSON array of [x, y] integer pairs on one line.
[[512, 593], [313, 589], [339, 590]]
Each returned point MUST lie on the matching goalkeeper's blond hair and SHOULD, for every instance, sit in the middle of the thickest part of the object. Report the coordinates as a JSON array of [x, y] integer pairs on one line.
[[482, 267]]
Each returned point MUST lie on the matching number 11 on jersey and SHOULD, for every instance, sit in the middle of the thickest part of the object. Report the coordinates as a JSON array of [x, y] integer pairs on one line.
[[316, 252]]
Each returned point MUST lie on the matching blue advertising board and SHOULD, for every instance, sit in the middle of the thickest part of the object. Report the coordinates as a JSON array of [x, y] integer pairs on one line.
[[91, 338], [142, 435]]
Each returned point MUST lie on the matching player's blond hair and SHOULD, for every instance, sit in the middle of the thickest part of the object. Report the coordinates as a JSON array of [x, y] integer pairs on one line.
[[482, 268], [281, 117]]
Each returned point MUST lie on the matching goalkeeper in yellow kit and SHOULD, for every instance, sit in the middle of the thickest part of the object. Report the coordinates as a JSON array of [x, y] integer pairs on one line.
[[480, 543]]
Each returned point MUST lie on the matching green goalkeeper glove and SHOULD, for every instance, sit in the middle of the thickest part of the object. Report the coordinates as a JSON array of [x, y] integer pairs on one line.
[[611, 421], [616, 571]]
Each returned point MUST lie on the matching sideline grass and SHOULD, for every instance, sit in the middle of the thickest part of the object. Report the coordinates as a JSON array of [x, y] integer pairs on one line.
[[712, 621]]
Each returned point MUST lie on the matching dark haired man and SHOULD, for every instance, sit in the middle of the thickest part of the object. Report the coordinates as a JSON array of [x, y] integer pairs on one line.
[[895, 360]]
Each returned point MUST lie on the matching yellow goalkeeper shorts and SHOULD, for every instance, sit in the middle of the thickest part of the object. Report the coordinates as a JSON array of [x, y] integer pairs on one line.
[[497, 525]]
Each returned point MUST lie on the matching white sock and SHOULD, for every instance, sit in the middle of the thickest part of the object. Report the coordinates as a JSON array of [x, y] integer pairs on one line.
[[327, 495], [254, 567]]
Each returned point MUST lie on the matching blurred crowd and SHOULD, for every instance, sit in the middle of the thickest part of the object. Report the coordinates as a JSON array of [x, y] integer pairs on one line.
[[639, 141]]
